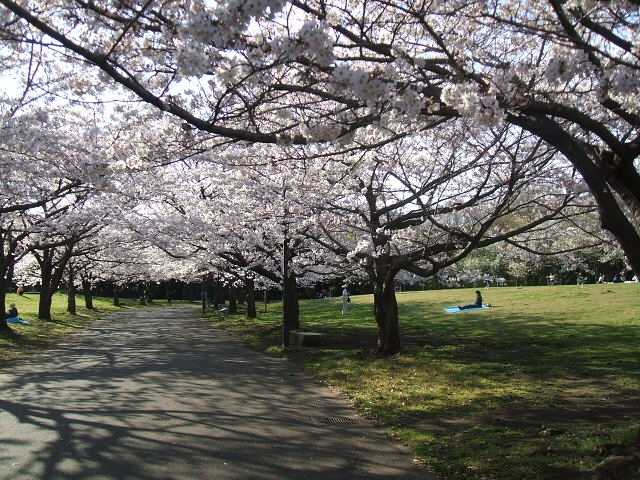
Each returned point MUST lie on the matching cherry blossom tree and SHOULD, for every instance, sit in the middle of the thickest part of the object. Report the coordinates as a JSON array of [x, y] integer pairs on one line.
[[39, 172], [302, 72], [423, 204], [242, 224]]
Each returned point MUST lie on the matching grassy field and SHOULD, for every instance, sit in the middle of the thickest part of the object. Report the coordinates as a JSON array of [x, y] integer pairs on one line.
[[543, 385], [40, 334]]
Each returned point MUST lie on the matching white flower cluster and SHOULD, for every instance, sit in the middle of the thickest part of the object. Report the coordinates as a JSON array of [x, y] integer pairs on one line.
[[482, 109], [322, 132], [370, 90], [623, 85], [312, 41], [567, 64], [410, 103], [363, 248], [220, 27]]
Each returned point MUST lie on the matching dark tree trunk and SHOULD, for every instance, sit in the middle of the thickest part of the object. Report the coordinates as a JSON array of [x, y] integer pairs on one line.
[[233, 300], [266, 300], [3, 298], [46, 292], [290, 308], [212, 290], [601, 183], [220, 295], [71, 293], [251, 299], [625, 180], [203, 297], [51, 274], [88, 294], [44, 305], [4, 327], [386, 312], [8, 245], [116, 296]]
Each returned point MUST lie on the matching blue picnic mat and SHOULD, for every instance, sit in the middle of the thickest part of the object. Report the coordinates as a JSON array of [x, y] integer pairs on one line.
[[17, 320], [461, 310]]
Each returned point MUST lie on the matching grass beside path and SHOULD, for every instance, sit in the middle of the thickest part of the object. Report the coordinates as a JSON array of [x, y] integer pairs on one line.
[[543, 385], [40, 334]]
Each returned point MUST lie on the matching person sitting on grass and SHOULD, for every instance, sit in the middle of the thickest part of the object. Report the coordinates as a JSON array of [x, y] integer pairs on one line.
[[477, 304], [12, 312], [13, 317]]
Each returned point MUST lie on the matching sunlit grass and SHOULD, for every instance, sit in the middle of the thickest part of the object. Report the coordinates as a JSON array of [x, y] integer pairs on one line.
[[528, 389]]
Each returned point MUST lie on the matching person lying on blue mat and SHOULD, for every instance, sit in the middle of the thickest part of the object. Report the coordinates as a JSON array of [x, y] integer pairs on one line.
[[477, 304]]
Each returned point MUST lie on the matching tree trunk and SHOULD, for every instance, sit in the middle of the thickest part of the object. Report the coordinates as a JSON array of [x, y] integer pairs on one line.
[[88, 295], [290, 308], [116, 296], [233, 300], [266, 300], [626, 182], [251, 299], [386, 311], [203, 297], [44, 305], [3, 298], [220, 295], [71, 293], [4, 327], [612, 216]]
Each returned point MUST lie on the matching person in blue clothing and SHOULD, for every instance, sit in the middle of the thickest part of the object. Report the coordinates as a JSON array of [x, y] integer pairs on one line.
[[477, 304], [12, 313], [13, 317]]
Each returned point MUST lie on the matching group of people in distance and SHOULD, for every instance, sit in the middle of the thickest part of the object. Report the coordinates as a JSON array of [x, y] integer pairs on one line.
[[617, 278]]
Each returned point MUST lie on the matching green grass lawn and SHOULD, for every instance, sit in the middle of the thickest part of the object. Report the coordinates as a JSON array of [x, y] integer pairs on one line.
[[40, 334], [543, 385]]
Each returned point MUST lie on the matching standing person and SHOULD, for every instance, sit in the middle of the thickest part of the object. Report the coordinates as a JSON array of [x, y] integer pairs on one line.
[[346, 299], [476, 304]]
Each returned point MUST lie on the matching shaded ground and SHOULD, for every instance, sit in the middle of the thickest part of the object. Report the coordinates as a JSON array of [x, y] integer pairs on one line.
[[159, 395]]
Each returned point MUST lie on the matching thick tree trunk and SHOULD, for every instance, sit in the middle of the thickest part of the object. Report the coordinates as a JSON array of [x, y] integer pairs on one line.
[[71, 294], [203, 298], [386, 312], [3, 297], [4, 327], [233, 300], [626, 182], [116, 296], [600, 182], [266, 300], [220, 295], [44, 305], [251, 299], [88, 295], [290, 308]]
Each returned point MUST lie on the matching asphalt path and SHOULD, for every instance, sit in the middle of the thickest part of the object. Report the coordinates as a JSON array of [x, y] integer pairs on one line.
[[160, 394]]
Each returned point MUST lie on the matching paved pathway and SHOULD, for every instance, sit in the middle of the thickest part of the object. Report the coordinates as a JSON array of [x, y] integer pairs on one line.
[[158, 394]]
